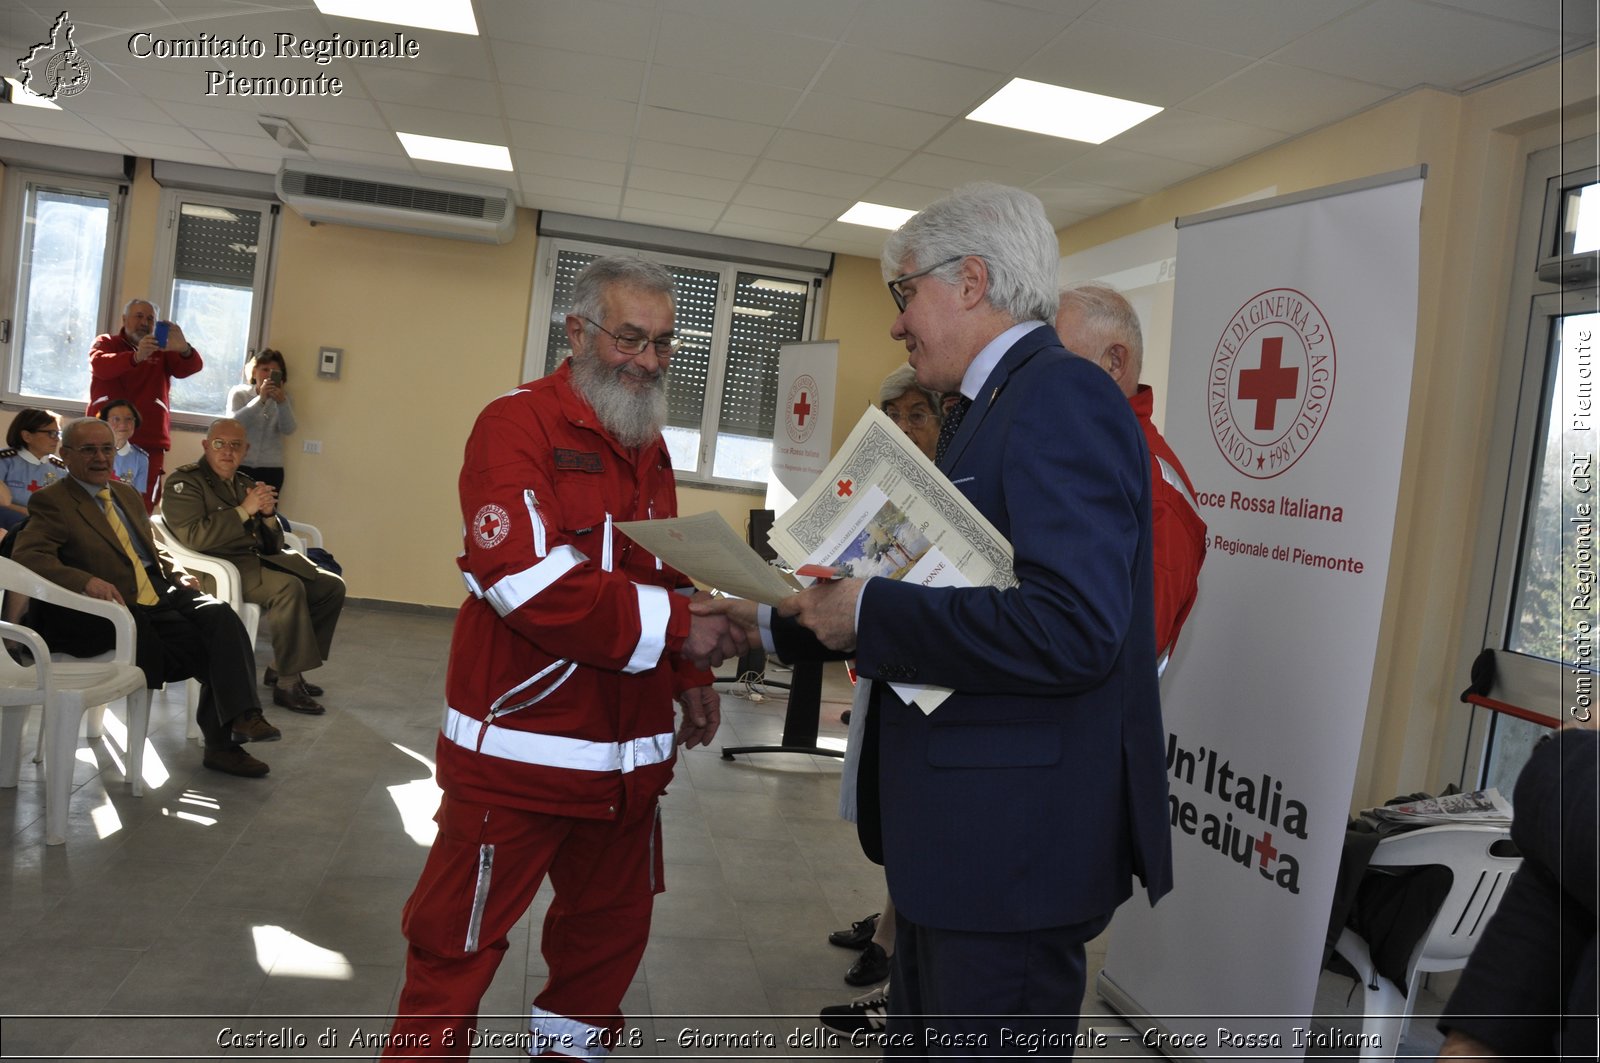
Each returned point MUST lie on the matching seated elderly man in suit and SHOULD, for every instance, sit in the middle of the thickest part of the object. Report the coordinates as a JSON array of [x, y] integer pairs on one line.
[[214, 508], [90, 534]]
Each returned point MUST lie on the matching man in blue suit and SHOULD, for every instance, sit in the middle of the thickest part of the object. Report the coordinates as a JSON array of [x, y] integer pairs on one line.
[[1012, 820]]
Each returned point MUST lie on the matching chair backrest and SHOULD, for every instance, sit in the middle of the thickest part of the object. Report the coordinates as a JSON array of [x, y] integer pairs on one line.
[[1478, 880], [224, 573]]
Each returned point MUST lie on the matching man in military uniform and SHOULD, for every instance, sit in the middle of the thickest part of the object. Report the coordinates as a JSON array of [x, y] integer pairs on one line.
[[214, 508]]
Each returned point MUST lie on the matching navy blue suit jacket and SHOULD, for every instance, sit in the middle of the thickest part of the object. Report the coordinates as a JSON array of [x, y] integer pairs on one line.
[[1035, 793]]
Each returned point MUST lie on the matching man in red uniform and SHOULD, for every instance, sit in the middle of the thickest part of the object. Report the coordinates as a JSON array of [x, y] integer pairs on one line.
[[1097, 323], [565, 663], [130, 365]]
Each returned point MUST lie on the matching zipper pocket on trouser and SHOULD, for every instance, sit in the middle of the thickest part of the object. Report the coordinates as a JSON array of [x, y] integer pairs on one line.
[[480, 895], [658, 882]]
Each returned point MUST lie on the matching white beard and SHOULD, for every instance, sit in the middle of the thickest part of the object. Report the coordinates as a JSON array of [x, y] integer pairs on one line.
[[633, 418]]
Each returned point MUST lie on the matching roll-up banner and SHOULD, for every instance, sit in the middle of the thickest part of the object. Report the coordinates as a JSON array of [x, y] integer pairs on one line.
[[1294, 327], [802, 424]]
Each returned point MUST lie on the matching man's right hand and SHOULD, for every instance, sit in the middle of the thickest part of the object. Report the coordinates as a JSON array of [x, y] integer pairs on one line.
[[740, 611], [99, 588], [146, 348], [712, 640], [260, 499]]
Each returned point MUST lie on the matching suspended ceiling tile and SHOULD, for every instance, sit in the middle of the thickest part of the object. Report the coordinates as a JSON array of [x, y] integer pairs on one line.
[[151, 133], [662, 218], [568, 206], [550, 164], [786, 199], [1379, 44], [570, 109], [704, 210], [608, 29], [585, 191], [431, 122], [801, 225], [697, 186], [755, 232], [469, 95], [827, 19], [1197, 138], [941, 171], [482, 175], [1243, 27], [678, 89], [253, 163], [1083, 199], [875, 123], [990, 36], [981, 142], [904, 194], [802, 178], [563, 140], [562, 70], [201, 156], [1129, 64], [359, 138], [234, 144], [908, 81], [213, 118], [740, 51], [1129, 171], [1571, 17], [682, 159], [835, 153], [1288, 99], [703, 131], [395, 162]]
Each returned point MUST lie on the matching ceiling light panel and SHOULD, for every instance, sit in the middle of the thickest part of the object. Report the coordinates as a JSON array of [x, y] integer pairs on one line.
[[1057, 111]]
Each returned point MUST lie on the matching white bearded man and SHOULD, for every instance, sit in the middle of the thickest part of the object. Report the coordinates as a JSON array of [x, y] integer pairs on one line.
[[566, 660]]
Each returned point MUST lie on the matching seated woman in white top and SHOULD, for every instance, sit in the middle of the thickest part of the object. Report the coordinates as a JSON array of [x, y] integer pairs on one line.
[[132, 463], [28, 463], [263, 407]]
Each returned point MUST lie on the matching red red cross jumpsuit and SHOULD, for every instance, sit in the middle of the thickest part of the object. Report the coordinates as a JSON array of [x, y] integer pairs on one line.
[[558, 735], [1177, 531]]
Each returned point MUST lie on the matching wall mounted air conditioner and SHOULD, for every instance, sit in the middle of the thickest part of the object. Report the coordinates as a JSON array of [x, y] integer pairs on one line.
[[378, 199]]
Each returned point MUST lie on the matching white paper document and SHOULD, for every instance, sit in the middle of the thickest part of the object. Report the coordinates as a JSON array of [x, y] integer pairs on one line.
[[708, 551]]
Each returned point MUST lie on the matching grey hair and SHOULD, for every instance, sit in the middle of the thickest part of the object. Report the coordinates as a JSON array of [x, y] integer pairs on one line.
[[75, 427], [628, 271], [1006, 227], [1110, 317], [154, 309], [904, 380]]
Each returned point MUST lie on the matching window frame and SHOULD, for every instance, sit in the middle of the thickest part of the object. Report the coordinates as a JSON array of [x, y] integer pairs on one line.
[[1542, 293], [540, 313], [164, 264], [14, 200]]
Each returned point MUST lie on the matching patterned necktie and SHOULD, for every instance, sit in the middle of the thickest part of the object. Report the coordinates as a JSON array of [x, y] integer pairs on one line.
[[147, 592], [952, 422]]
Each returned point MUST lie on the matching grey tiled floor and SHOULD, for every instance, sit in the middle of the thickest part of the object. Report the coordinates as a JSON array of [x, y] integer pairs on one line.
[[270, 906]]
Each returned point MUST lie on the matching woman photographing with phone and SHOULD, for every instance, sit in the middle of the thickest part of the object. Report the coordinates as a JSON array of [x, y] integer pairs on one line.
[[263, 407]]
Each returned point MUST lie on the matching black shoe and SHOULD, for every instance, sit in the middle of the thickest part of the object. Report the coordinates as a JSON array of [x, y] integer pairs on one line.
[[297, 700], [871, 968], [859, 934], [270, 679], [867, 1014]]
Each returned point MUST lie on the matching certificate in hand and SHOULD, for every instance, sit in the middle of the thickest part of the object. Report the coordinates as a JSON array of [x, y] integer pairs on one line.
[[881, 508], [706, 550]]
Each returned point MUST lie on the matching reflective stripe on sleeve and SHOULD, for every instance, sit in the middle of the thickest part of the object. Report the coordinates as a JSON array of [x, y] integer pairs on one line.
[[472, 585], [655, 609], [566, 1037], [512, 592], [555, 751], [1169, 474], [539, 547], [606, 558]]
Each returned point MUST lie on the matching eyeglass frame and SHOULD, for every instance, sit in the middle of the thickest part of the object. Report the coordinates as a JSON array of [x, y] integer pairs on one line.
[[228, 444], [895, 293], [915, 418], [107, 449], [672, 342], [53, 433]]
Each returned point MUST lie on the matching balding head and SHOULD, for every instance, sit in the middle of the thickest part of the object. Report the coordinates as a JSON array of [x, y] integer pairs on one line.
[[1095, 322]]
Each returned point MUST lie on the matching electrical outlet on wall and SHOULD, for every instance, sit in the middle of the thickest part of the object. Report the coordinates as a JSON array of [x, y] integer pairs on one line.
[[313, 446]]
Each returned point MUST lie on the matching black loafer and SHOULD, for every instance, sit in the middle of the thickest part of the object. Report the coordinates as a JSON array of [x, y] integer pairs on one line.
[[270, 679], [859, 934], [871, 968], [297, 700]]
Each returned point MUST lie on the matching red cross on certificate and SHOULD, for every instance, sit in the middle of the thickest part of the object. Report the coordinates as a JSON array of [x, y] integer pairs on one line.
[[1266, 850], [802, 408], [675, 535], [845, 488], [1269, 383]]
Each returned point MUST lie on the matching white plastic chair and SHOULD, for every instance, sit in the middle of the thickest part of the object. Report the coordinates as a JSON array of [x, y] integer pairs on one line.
[[230, 589], [1478, 881], [67, 689], [302, 535]]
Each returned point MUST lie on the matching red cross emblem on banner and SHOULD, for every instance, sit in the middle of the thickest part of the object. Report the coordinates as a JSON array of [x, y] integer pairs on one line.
[[1269, 384], [1267, 851], [845, 488], [802, 408]]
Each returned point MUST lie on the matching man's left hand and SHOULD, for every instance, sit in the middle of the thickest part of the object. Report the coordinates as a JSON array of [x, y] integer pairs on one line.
[[176, 341], [702, 715], [829, 610], [185, 579]]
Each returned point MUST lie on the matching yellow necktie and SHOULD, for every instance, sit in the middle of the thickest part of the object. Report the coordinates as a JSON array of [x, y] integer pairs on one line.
[[147, 593]]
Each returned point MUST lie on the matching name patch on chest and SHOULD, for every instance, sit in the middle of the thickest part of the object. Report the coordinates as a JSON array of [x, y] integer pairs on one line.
[[578, 460]]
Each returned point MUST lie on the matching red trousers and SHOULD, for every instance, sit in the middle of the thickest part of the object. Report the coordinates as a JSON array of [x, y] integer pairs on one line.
[[482, 873]]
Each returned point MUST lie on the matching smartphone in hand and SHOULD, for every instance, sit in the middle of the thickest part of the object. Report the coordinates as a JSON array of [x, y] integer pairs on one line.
[[161, 331]]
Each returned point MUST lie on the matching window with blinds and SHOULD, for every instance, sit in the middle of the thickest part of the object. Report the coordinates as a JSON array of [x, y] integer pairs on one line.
[[723, 380]]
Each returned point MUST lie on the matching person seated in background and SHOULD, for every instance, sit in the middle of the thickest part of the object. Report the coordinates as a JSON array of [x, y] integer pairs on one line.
[[915, 409], [90, 534], [214, 507], [263, 407], [133, 463], [28, 463]]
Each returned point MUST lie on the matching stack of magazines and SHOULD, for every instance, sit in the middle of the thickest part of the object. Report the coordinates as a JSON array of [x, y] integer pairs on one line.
[[1483, 806]]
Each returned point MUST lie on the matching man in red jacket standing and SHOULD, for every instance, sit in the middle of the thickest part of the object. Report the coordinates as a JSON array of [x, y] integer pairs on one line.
[[131, 365], [567, 657]]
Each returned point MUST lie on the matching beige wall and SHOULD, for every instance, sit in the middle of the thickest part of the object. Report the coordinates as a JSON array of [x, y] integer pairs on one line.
[[1475, 147]]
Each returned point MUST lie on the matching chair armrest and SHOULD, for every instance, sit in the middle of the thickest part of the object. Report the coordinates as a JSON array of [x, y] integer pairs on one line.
[[309, 534], [23, 580], [35, 643], [230, 588]]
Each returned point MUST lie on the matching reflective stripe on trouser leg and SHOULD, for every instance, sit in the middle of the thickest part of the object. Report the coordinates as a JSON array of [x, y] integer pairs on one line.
[[599, 922]]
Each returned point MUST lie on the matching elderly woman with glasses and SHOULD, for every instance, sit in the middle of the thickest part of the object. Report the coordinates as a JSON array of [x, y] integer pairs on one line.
[[913, 407], [28, 463]]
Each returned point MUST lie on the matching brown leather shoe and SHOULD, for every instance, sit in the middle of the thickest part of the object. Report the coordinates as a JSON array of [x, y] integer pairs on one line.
[[297, 700], [235, 762], [253, 727], [270, 679]]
